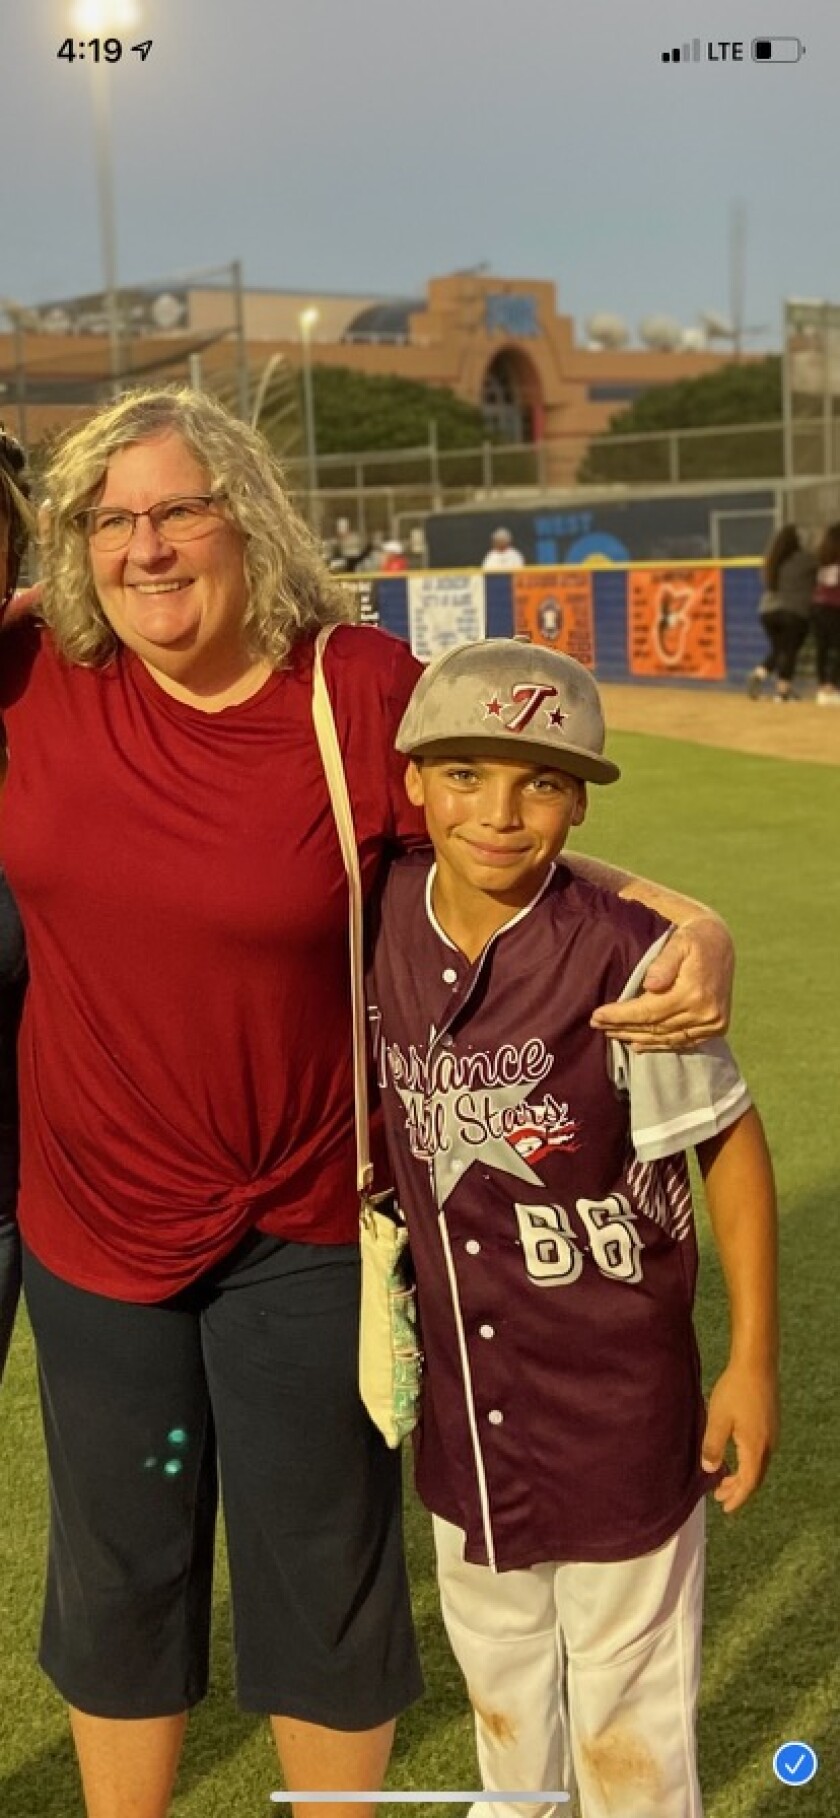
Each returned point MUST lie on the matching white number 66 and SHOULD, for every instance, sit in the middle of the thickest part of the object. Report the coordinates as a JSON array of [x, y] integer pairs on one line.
[[553, 1253]]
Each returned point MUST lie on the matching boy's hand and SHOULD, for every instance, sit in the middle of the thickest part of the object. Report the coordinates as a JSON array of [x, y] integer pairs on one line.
[[688, 992], [744, 1408]]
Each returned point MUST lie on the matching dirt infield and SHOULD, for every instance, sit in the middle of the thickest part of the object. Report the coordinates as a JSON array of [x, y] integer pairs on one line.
[[802, 730]]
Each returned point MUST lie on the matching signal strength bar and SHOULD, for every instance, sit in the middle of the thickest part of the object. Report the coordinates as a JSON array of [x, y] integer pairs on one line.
[[686, 53]]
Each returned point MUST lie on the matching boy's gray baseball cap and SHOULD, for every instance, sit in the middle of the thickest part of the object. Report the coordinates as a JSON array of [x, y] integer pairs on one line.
[[504, 698]]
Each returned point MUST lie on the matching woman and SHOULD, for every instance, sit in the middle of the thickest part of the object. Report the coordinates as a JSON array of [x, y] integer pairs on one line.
[[14, 530], [785, 609], [188, 1201], [826, 618]]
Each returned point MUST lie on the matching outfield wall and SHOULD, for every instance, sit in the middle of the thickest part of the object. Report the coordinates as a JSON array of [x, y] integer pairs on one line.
[[692, 624]]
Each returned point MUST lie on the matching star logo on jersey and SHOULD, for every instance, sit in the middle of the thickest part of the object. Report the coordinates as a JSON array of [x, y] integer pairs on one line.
[[468, 1109], [475, 1123]]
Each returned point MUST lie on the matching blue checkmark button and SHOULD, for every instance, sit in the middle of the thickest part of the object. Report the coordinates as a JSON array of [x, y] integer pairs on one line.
[[795, 1763]]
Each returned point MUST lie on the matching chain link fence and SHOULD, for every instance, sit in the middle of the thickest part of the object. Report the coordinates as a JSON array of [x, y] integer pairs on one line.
[[386, 491]]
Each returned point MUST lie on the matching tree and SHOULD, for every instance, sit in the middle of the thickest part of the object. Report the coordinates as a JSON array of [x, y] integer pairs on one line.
[[743, 392], [357, 412]]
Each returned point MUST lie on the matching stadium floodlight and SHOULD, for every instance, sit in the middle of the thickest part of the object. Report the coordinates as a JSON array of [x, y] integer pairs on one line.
[[718, 327], [98, 17], [105, 15]]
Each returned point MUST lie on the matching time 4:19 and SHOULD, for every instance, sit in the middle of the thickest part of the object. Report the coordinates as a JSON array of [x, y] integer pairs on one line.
[[111, 49]]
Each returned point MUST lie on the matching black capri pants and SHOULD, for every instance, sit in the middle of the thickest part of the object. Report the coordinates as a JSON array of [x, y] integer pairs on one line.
[[256, 1361], [786, 633]]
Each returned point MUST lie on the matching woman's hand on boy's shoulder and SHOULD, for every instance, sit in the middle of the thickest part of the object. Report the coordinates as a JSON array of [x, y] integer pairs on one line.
[[688, 991], [743, 1411]]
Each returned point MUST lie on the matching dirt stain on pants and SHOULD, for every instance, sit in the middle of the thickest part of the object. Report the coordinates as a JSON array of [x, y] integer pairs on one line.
[[619, 1764], [497, 1723]]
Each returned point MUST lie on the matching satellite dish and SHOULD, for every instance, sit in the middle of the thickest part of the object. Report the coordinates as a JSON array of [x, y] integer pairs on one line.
[[662, 333], [717, 327], [605, 330], [56, 322], [167, 311]]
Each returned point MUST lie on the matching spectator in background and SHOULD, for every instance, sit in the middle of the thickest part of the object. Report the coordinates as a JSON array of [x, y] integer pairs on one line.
[[502, 554], [826, 618], [785, 610], [394, 558], [372, 558]]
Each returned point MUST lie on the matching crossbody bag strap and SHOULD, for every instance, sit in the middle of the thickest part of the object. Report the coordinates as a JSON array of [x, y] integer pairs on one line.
[[331, 759]]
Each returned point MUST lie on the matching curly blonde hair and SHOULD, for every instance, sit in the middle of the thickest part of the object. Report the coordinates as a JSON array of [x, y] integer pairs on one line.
[[290, 590]]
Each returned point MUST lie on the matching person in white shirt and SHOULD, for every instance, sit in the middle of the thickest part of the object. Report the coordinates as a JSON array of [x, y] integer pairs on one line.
[[502, 553]]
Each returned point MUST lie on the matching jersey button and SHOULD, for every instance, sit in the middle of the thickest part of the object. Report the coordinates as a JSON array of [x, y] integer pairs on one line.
[[472, 1246], [450, 976], [487, 1331], [495, 1417]]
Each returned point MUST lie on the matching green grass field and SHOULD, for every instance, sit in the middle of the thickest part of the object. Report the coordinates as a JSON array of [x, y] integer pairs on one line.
[[757, 837]]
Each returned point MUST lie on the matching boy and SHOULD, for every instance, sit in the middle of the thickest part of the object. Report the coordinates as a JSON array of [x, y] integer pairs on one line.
[[565, 1450]]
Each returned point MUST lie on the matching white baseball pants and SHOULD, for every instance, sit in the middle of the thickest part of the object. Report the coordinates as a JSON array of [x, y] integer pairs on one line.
[[582, 1677]]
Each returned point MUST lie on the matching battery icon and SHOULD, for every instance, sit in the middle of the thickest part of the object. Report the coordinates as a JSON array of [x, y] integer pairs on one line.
[[777, 50]]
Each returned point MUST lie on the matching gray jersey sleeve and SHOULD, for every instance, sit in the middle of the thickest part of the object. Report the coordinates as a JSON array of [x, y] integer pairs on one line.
[[676, 1100]]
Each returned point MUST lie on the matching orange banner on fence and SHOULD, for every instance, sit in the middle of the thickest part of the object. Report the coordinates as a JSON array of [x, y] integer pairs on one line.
[[675, 622], [554, 607]]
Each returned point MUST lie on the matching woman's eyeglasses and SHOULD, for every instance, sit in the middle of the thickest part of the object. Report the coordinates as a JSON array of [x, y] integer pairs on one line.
[[110, 527]]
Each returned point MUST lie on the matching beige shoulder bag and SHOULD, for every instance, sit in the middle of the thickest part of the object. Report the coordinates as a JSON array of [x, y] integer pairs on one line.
[[390, 1360]]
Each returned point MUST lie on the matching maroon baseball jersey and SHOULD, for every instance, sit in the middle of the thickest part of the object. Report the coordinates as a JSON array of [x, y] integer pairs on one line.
[[556, 1257]]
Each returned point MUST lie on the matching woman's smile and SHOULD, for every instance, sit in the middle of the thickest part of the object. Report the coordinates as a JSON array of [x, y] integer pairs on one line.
[[180, 609]]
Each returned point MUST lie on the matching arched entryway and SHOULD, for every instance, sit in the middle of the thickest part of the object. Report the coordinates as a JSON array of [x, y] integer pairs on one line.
[[511, 400]]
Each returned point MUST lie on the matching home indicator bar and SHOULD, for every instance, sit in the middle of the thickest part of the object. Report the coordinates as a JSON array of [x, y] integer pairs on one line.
[[436, 1798]]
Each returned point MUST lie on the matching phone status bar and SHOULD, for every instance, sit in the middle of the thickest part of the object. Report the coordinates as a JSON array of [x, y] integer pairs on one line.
[[735, 50]]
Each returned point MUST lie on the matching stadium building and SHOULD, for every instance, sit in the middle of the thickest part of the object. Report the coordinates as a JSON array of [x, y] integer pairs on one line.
[[498, 343]]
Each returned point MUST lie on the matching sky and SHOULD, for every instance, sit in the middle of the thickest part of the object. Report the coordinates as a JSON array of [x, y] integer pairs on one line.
[[367, 145]]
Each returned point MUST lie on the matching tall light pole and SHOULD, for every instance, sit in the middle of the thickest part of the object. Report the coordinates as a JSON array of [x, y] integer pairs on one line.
[[99, 17], [306, 322]]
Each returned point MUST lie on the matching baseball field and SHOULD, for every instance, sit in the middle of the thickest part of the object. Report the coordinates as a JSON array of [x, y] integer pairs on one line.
[[739, 805]]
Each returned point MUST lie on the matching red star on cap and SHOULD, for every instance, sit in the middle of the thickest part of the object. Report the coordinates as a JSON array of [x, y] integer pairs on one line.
[[556, 717], [493, 707]]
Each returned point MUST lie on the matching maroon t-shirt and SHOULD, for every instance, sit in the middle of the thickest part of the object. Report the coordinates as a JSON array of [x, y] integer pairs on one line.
[[186, 1062]]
